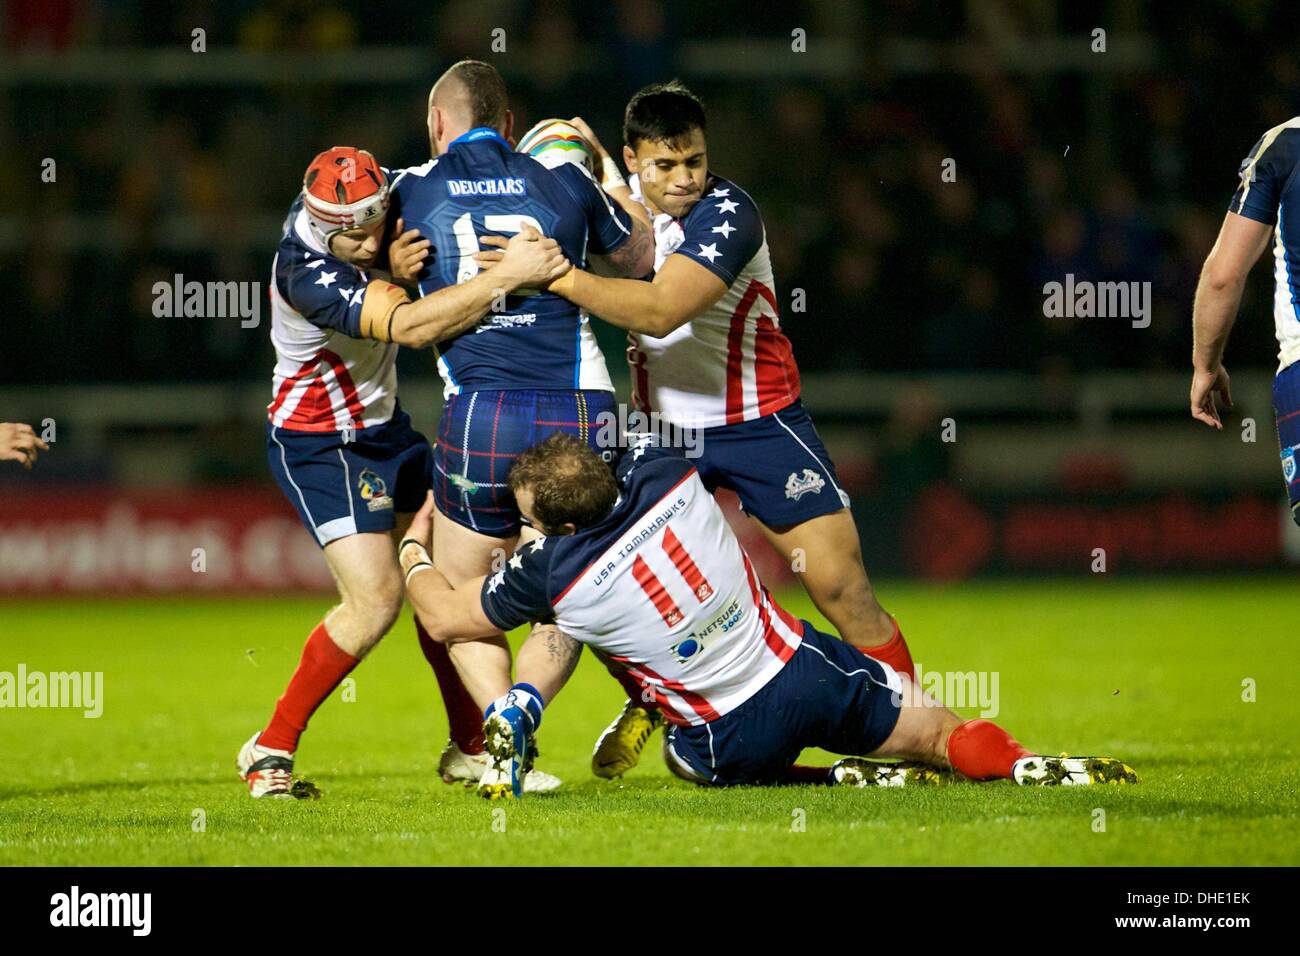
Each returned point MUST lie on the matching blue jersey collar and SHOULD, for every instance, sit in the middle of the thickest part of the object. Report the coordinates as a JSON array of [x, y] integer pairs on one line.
[[476, 134]]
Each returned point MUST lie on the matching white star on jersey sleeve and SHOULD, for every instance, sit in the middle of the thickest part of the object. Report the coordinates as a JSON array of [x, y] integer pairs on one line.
[[314, 288], [519, 592], [722, 233]]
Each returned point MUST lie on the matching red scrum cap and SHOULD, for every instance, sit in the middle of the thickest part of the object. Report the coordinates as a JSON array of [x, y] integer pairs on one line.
[[343, 188]]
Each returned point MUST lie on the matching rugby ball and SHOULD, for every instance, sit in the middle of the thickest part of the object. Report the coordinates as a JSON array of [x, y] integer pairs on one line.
[[553, 141]]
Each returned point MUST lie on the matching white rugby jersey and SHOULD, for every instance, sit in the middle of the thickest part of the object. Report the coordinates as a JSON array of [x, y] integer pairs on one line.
[[732, 363], [1269, 193], [662, 587], [327, 378]]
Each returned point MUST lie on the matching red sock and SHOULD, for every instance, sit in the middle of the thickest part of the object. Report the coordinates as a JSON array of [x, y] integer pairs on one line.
[[463, 714], [321, 669], [894, 652], [982, 750]]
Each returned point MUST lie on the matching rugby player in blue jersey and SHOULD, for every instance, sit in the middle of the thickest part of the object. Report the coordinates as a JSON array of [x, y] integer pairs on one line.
[[1265, 209], [531, 366]]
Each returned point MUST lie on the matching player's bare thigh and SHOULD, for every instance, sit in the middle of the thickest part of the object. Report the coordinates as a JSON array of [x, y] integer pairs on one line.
[[370, 588], [826, 554], [922, 729], [462, 554]]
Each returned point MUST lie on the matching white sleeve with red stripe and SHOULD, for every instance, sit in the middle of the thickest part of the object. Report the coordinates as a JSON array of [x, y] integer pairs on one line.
[[325, 378]]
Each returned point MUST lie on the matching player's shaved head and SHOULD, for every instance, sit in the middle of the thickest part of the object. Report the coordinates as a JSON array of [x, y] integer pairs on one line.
[[567, 482], [473, 93]]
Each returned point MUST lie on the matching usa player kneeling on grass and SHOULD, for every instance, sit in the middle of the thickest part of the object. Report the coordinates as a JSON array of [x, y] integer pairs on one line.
[[642, 566]]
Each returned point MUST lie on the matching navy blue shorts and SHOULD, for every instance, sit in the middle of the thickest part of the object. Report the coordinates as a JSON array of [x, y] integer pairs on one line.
[[828, 695], [1286, 412], [342, 488], [776, 464], [482, 433]]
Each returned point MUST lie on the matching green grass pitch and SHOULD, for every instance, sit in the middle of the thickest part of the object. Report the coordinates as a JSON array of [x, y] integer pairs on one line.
[[1153, 672]]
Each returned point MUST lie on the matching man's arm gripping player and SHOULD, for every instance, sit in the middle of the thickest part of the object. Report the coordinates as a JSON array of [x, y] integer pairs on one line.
[[682, 288]]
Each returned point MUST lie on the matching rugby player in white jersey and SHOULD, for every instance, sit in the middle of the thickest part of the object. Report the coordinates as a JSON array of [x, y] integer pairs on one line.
[[642, 566], [338, 442], [707, 353]]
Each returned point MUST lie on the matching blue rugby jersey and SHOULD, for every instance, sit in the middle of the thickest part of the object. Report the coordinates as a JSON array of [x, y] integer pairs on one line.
[[1270, 193], [480, 186]]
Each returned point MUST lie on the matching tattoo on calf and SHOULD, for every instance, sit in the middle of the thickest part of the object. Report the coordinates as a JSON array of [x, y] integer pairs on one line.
[[563, 650]]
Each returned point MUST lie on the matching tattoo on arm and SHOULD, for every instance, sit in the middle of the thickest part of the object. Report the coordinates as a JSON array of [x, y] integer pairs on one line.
[[627, 257]]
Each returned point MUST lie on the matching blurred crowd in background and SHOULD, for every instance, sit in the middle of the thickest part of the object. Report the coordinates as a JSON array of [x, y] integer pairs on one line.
[[1106, 173]]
